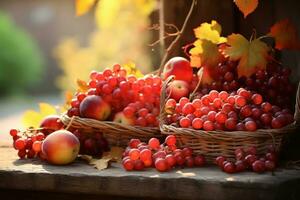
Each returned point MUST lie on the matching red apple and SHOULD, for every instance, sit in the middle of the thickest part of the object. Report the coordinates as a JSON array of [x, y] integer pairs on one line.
[[60, 147], [180, 68], [121, 118], [51, 123], [178, 89], [94, 107]]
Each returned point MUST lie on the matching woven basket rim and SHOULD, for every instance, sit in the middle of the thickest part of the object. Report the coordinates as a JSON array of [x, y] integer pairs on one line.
[[94, 123]]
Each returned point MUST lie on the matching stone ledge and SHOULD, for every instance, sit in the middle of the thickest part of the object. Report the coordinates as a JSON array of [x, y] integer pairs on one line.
[[194, 183]]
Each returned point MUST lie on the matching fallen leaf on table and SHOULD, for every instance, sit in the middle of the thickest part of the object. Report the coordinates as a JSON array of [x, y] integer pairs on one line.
[[252, 55], [246, 6], [100, 164], [285, 35], [115, 154]]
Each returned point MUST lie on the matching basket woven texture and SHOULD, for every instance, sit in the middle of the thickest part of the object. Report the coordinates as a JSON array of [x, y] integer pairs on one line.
[[117, 134], [215, 143]]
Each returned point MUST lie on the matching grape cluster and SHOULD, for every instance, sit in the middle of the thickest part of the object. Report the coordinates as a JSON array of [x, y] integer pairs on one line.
[[139, 155], [273, 83], [248, 160], [137, 98], [28, 143], [242, 110], [91, 143]]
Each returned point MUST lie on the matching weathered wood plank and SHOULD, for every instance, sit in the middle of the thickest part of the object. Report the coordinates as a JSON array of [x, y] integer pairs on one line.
[[193, 183]]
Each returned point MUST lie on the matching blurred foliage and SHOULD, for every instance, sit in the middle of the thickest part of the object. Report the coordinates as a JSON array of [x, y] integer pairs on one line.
[[21, 63], [122, 36]]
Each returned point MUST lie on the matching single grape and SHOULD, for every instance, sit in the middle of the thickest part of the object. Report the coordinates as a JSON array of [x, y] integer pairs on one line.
[[170, 160], [258, 166], [251, 125], [185, 122], [13, 132], [145, 154], [221, 117], [199, 161], [20, 144], [138, 165], [154, 143], [230, 124], [134, 154], [229, 167], [208, 126], [161, 165]]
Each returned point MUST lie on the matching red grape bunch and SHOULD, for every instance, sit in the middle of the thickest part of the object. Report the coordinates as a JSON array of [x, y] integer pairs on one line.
[[28, 143], [127, 99], [273, 83], [248, 160], [139, 155], [236, 111]]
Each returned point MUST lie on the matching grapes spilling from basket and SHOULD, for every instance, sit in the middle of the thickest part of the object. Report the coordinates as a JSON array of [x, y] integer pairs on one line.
[[113, 95], [248, 160], [163, 157], [236, 111]]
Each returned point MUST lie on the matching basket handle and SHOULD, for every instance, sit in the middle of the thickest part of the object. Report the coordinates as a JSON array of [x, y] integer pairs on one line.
[[297, 107]]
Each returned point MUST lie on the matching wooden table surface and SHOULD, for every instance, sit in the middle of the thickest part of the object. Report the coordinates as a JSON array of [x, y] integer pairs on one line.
[[80, 179]]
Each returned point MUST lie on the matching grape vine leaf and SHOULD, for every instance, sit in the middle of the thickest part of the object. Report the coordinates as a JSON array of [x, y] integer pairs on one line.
[[211, 32], [33, 118], [252, 55], [83, 6], [246, 6], [285, 35], [205, 52]]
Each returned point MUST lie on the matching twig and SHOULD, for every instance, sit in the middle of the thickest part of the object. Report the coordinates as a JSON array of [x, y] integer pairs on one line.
[[171, 46]]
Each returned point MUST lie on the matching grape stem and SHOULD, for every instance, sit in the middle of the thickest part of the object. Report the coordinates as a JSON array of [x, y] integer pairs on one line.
[[172, 45]]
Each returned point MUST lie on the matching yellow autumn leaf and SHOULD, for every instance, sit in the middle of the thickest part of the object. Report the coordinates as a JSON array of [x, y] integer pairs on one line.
[[33, 118], [83, 6], [82, 86], [211, 32], [131, 68], [205, 53], [246, 6], [252, 55]]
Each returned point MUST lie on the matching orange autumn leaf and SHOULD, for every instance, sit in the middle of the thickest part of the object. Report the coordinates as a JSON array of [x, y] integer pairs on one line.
[[246, 6], [285, 35], [252, 55], [83, 6], [82, 85]]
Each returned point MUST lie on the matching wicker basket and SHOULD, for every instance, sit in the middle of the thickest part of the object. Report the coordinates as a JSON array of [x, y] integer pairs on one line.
[[117, 134], [215, 143]]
